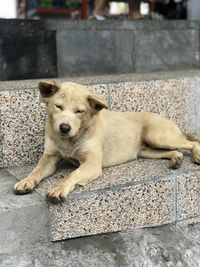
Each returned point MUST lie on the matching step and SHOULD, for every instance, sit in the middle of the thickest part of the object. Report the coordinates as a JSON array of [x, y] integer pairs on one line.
[[24, 221], [75, 47], [175, 95], [141, 193]]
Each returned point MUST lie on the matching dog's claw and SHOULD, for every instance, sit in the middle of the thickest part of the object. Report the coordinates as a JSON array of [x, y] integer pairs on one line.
[[176, 165], [23, 192], [176, 160], [23, 187], [56, 199]]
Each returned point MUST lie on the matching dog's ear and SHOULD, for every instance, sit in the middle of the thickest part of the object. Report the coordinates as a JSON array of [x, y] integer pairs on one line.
[[48, 89], [97, 102]]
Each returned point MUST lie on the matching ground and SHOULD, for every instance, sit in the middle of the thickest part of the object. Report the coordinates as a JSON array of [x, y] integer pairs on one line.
[[168, 245]]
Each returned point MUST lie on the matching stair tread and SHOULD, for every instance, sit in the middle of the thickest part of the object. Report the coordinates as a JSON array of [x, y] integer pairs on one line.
[[132, 172], [102, 79]]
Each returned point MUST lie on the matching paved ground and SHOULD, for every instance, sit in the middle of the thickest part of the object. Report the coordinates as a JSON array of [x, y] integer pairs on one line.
[[174, 246]]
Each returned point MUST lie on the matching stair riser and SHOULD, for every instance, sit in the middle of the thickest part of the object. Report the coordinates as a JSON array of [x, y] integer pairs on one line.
[[150, 203], [111, 210], [23, 117]]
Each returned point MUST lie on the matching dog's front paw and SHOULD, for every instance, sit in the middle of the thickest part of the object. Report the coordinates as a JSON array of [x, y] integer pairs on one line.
[[24, 187], [56, 195]]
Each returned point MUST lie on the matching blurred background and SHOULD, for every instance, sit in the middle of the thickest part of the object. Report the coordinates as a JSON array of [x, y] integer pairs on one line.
[[77, 9]]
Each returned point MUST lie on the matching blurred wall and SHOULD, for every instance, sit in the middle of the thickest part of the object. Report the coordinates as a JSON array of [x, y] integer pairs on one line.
[[194, 9]]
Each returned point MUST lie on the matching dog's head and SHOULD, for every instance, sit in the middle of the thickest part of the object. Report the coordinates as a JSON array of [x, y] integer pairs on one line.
[[70, 106]]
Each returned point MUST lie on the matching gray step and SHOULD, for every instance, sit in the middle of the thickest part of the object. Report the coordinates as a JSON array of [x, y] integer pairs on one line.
[[24, 220], [57, 48]]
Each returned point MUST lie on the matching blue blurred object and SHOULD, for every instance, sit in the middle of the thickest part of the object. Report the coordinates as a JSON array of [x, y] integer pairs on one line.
[[32, 4]]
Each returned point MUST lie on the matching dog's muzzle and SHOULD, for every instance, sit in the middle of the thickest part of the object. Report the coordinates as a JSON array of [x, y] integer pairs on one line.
[[64, 128]]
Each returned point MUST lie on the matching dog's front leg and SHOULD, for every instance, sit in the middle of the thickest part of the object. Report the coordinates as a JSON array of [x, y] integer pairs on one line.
[[45, 167], [87, 172]]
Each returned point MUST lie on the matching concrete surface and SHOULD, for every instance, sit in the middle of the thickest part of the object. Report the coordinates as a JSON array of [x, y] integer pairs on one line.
[[166, 246], [95, 52], [24, 220], [27, 54], [93, 47]]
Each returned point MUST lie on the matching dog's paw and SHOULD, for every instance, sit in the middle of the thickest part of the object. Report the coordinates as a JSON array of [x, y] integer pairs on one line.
[[56, 195], [196, 154], [176, 160], [24, 187]]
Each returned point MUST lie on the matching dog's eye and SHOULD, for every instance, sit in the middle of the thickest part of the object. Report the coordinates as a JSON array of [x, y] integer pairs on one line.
[[59, 107], [79, 111]]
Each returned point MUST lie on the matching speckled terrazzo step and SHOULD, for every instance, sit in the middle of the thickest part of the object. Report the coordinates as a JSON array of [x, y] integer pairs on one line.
[[174, 95], [136, 194], [140, 193]]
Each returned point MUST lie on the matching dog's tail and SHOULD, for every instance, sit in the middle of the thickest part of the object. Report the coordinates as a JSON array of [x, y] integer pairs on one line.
[[192, 137]]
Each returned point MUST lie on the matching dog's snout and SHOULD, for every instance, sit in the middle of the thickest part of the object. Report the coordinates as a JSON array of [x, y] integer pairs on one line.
[[64, 128]]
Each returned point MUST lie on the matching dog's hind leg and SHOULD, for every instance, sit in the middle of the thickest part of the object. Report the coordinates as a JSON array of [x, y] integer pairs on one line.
[[175, 156], [195, 141], [171, 138], [192, 137]]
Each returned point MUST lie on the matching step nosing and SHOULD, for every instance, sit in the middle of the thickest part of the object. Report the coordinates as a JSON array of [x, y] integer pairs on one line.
[[91, 192], [169, 176]]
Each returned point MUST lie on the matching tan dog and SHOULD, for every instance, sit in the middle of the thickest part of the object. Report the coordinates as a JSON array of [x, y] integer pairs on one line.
[[80, 127]]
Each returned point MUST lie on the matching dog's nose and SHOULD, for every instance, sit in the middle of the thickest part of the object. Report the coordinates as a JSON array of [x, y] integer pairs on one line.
[[64, 128]]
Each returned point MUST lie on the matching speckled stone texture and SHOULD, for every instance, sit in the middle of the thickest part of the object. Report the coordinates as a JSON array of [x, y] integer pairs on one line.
[[22, 126], [22, 116], [113, 208], [23, 123], [167, 98], [135, 194], [188, 195], [1, 146]]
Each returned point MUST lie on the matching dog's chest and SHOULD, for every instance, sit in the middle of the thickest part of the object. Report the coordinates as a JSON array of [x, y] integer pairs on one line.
[[68, 149]]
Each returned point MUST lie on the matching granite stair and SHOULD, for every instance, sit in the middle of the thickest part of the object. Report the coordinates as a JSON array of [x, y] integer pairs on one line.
[[141, 193]]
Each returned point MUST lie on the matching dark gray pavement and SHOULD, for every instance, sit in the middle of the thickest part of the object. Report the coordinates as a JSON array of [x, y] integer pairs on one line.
[[162, 246]]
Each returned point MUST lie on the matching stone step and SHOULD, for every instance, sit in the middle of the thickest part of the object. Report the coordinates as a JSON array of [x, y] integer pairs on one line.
[[24, 221], [175, 95], [141, 193], [75, 47]]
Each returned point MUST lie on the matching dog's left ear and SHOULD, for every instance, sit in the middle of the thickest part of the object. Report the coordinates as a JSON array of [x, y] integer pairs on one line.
[[97, 102], [48, 89]]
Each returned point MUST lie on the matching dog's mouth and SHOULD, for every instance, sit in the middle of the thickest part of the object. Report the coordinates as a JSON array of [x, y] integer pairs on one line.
[[64, 135]]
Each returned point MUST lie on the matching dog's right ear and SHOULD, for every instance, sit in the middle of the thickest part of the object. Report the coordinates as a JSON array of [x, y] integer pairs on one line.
[[48, 89]]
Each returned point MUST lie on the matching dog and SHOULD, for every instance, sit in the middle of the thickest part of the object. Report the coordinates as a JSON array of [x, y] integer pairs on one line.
[[80, 128]]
